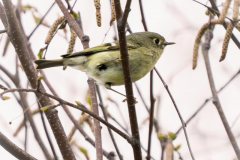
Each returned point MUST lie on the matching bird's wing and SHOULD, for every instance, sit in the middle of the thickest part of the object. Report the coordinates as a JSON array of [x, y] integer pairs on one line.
[[100, 48], [134, 54]]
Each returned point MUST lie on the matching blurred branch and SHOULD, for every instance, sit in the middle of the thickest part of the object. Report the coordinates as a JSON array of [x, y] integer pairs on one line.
[[140, 94], [85, 39], [40, 22], [16, 37], [169, 149], [233, 37], [3, 31], [208, 99], [73, 24], [110, 116], [22, 123], [85, 135], [121, 22], [97, 127], [14, 149], [106, 119], [24, 104], [79, 107], [216, 102], [175, 105], [142, 15], [47, 133]]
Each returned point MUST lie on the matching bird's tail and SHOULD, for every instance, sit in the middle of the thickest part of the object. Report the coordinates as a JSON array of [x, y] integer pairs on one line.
[[42, 63]]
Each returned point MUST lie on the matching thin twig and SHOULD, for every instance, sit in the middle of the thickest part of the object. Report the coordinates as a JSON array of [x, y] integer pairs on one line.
[[141, 97], [216, 102], [79, 107], [76, 124], [106, 119], [40, 22], [151, 117], [16, 37], [233, 37], [47, 134], [24, 104], [73, 24], [178, 112], [208, 99], [142, 15], [87, 137]]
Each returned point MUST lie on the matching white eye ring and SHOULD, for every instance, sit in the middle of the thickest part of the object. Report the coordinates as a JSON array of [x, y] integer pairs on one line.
[[156, 41]]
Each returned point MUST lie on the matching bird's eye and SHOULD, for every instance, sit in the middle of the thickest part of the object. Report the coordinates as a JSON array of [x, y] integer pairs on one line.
[[156, 41]]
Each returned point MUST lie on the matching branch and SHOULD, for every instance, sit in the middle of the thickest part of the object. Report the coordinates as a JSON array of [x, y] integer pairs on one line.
[[25, 106], [106, 119], [79, 107], [208, 99], [73, 24], [121, 21], [85, 39], [235, 40], [175, 105], [14, 149], [40, 22], [16, 37], [216, 102], [97, 127], [3, 31], [151, 117], [142, 15]]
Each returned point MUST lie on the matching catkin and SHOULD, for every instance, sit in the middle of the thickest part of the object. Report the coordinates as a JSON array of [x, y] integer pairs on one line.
[[237, 26], [236, 9], [113, 15], [53, 29], [98, 12], [197, 43], [226, 41], [224, 11], [229, 30], [72, 41]]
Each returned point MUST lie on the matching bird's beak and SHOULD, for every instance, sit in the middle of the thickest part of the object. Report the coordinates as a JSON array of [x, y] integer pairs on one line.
[[168, 43]]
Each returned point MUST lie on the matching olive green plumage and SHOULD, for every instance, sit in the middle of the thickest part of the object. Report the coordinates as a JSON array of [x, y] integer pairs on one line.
[[103, 62]]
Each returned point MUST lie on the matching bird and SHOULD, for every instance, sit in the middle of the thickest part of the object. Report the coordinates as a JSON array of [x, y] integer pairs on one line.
[[103, 62]]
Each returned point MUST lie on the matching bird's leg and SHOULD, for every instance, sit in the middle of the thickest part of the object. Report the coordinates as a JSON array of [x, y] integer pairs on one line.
[[108, 86]]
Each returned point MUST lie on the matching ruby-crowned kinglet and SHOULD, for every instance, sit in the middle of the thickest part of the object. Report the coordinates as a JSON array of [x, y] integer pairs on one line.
[[103, 62]]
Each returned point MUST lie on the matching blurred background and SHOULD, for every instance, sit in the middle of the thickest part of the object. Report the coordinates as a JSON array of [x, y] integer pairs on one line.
[[179, 22]]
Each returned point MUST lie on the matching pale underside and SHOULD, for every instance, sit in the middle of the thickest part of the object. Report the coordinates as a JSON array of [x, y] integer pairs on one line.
[[106, 67]]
